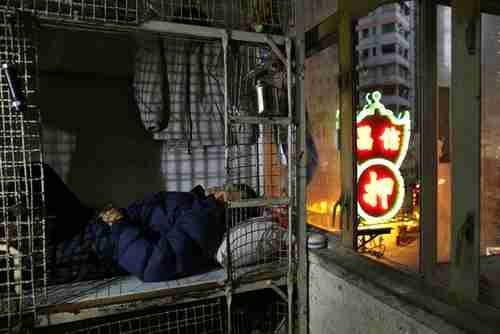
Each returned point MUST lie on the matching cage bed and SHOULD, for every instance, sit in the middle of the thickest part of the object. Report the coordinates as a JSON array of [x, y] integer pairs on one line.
[[34, 293], [259, 260]]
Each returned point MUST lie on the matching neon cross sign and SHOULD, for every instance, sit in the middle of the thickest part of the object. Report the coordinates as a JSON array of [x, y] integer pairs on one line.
[[382, 144]]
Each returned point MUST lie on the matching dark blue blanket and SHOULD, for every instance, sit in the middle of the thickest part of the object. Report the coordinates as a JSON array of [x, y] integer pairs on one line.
[[164, 236]]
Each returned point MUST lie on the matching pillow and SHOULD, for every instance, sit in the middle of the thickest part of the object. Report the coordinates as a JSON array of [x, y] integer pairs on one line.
[[253, 241]]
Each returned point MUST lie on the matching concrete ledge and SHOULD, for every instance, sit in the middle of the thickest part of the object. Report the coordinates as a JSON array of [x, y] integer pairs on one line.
[[428, 309]]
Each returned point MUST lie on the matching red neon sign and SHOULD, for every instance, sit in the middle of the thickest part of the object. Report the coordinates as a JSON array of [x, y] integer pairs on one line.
[[377, 137], [381, 145], [377, 190]]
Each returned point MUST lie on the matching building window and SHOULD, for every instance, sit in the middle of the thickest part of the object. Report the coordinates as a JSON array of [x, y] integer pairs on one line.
[[405, 9], [406, 54], [404, 92], [366, 33], [388, 49], [374, 31], [387, 8], [403, 72], [374, 50], [388, 28], [389, 90], [365, 54], [388, 70]]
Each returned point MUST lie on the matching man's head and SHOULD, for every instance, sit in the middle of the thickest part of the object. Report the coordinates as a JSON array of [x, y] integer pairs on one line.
[[237, 192], [233, 192], [240, 191]]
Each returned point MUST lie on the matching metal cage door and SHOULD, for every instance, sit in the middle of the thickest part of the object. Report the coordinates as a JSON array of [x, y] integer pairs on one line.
[[22, 232]]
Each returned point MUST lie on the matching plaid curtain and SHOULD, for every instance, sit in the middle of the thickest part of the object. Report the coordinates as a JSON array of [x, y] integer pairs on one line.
[[179, 83]]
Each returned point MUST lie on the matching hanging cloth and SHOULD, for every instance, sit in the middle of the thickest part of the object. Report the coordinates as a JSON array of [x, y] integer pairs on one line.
[[151, 85]]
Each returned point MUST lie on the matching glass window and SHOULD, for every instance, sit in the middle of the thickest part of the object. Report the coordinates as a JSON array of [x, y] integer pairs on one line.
[[388, 49], [490, 161], [444, 181], [365, 53], [366, 33], [389, 90], [406, 9], [389, 69], [404, 92], [403, 72], [388, 28], [388, 166], [323, 190], [374, 51]]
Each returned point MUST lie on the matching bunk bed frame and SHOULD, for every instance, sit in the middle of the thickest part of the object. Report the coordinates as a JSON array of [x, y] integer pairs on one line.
[[40, 305]]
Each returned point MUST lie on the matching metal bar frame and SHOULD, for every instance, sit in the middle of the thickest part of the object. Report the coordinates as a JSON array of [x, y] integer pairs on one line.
[[163, 27], [347, 121], [301, 198], [426, 106], [209, 32], [465, 124], [291, 267]]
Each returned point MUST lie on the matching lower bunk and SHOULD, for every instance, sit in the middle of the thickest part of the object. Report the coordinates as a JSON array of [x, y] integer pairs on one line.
[[252, 312], [128, 295], [78, 301]]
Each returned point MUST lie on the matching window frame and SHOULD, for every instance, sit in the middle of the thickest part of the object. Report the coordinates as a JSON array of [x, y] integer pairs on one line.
[[365, 33], [426, 96], [384, 46], [464, 278]]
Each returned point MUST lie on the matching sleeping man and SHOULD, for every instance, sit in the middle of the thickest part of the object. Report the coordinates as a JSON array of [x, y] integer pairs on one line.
[[164, 236]]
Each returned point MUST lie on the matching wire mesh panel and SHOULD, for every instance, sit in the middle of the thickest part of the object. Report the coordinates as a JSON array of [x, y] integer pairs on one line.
[[22, 264], [272, 319], [260, 127], [262, 162], [259, 149], [205, 317], [258, 241], [199, 12], [271, 16], [109, 11]]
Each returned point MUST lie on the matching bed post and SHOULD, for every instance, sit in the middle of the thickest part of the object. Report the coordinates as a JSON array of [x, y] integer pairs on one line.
[[301, 197]]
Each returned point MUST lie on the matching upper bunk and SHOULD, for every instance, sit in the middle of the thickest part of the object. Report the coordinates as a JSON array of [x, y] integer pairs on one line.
[[249, 21]]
